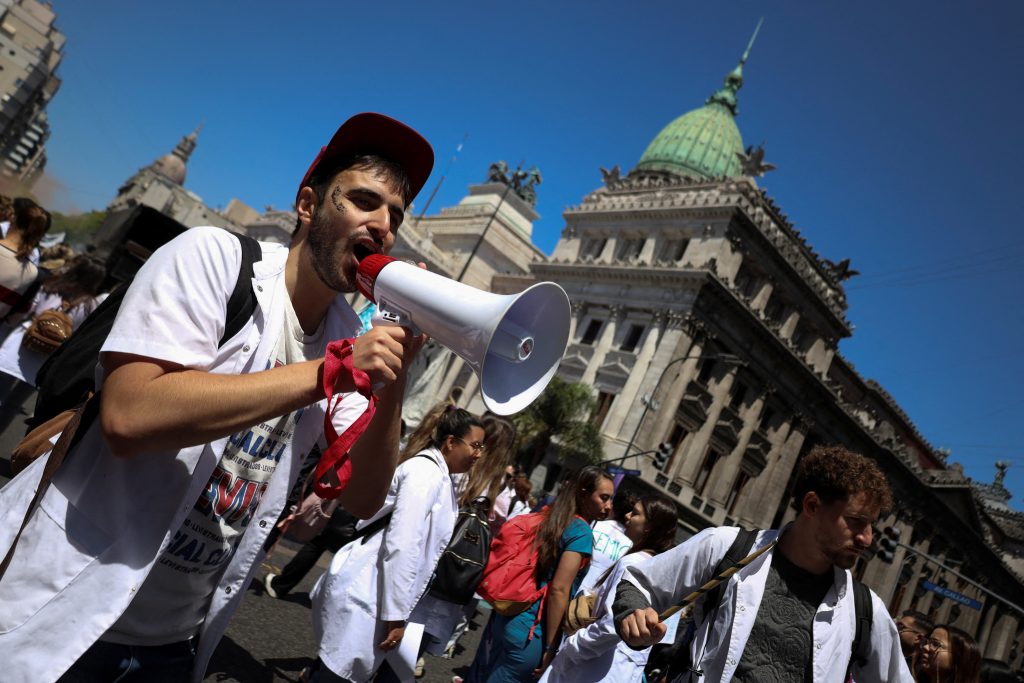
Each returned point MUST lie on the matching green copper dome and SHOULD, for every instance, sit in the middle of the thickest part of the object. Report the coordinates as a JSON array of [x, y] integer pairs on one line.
[[702, 143]]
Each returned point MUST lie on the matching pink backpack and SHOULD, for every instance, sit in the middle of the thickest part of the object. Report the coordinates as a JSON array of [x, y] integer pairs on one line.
[[509, 583]]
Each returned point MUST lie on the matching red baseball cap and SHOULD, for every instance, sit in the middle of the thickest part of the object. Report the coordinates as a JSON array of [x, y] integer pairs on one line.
[[370, 133]]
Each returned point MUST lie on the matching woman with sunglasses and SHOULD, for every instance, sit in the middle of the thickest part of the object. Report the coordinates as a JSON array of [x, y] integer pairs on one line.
[[948, 655], [363, 602]]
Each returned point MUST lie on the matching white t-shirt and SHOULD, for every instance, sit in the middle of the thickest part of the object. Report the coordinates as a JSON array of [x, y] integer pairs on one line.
[[185, 575], [610, 543]]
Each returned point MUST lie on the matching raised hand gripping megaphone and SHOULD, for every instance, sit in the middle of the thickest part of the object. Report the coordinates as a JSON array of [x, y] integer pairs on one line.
[[513, 342]]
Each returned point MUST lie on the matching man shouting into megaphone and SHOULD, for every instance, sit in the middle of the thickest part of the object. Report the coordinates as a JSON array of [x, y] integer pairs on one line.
[[214, 386]]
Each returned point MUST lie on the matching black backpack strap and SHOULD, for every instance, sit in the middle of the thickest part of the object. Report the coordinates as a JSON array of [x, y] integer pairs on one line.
[[382, 521], [861, 649], [242, 301], [739, 549]]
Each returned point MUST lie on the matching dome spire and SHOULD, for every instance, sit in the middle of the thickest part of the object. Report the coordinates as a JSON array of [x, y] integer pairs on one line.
[[726, 96], [188, 143], [702, 143], [172, 165]]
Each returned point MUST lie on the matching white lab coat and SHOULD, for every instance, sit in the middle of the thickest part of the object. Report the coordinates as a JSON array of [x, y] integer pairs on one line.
[[104, 520], [596, 653], [382, 579], [670, 576]]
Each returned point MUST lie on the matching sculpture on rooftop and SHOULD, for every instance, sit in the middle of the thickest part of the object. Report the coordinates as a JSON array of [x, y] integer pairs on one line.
[[752, 162], [1001, 467], [498, 173], [523, 183], [841, 271]]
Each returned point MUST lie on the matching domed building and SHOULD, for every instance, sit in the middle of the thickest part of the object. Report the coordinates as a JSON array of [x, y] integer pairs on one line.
[[708, 329], [161, 185]]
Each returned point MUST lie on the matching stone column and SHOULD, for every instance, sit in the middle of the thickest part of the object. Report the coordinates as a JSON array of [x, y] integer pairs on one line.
[[909, 601], [627, 399], [445, 389], [789, 325], [725, 474], [672, 340], [579, 309], [748, 511], [698, 446], [604, 343], [760, 299], [773, 492], [883, 576], [988, 617], [470, 393], [970, 619], [1001, 639], [655, 430]]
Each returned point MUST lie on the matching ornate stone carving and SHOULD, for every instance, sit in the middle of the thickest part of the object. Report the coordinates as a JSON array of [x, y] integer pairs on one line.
[[616, 312]]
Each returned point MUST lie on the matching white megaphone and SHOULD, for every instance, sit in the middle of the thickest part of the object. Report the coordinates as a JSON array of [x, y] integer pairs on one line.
[[513, 342]]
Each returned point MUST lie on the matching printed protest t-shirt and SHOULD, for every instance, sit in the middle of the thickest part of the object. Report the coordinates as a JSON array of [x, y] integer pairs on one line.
[[173, 600]]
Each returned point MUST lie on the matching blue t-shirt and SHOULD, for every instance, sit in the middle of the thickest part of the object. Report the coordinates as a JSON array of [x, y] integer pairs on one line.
[[578, 538]]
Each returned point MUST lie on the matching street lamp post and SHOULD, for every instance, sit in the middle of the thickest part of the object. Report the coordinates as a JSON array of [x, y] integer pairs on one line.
[[728, 357]]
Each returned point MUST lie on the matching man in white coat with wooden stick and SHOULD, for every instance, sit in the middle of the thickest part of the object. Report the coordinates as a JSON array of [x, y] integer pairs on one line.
[[142, 547], [792, 613]]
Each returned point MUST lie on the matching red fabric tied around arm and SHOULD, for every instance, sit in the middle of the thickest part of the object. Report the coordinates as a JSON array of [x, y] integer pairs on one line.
[[338, 359]]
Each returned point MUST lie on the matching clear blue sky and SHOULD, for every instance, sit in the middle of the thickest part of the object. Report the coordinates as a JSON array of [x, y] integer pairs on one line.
[[894, 126]]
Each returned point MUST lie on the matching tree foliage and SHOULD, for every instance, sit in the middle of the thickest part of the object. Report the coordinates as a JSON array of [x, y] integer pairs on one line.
[[561, 414], [79, 227]]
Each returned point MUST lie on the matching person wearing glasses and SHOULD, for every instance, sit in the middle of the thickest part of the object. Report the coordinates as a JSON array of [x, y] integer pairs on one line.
[[362, 604], [913, 627], [949, 655]]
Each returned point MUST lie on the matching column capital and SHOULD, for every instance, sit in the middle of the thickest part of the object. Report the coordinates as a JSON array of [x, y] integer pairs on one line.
[[691, 324], [577, 307], [616, 312]]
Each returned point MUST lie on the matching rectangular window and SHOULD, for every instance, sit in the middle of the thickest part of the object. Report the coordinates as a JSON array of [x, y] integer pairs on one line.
[[672, 251], [592, 248], [739, 392], [629, 249], [710, 460], [773, 311], [604, 404], [734, 494], [746, 282], [633, 338], [591, 333], [706, 368]]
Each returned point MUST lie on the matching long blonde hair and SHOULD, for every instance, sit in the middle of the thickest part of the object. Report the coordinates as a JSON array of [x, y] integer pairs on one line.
[[488, 476]]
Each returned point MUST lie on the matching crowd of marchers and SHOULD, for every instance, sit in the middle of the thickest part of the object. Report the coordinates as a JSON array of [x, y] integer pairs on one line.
[[229, 395]]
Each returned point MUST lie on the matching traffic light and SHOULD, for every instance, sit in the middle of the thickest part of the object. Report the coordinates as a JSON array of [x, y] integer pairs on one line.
[[888, 544], [662, 455]]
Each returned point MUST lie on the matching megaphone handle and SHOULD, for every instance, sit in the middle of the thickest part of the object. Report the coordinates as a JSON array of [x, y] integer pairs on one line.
[[386, 315]]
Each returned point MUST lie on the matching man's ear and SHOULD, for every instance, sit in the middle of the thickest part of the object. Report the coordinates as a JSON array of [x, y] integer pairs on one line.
[[811, 503], [305, 205]]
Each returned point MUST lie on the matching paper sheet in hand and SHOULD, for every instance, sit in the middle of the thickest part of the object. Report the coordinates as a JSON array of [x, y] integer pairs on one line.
[[403, 658], [672, 624]]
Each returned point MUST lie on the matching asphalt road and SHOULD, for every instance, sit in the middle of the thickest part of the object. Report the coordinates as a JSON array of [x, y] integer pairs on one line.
[[270, 639]]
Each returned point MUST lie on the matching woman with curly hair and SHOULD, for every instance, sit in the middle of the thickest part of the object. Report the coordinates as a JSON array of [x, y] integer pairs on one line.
[[519, 648], [949, 655], [596, 652]]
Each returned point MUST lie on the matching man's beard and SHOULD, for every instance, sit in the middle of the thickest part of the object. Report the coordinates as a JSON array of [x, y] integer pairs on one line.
[[327, 254]]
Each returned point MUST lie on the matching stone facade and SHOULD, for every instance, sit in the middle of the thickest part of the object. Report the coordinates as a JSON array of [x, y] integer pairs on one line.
[[30, 52], [161, 185], [704, 320]]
